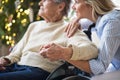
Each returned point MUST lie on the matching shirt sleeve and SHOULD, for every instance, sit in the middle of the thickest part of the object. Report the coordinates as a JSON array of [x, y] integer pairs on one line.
[[16, 53], [109, 44], [83, 48]]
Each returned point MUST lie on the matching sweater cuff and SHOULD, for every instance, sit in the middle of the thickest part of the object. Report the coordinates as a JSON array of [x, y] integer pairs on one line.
[[75, 55]]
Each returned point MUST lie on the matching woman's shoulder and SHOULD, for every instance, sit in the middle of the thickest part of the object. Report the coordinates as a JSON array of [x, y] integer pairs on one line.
[[112, 15]]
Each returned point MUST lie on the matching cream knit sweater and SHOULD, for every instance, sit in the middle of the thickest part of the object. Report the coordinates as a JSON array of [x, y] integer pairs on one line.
[[40, 33]]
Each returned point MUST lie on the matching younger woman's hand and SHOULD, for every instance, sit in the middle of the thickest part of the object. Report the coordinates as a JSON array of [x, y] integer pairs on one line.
[[72, 27]]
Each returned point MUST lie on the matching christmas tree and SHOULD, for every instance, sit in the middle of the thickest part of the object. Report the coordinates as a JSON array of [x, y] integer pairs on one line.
[[15, 16]]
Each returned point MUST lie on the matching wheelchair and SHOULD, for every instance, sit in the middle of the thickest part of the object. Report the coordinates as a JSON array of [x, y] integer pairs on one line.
[[66, 72]]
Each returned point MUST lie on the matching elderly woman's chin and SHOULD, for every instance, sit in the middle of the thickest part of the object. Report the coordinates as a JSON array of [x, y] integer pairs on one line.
[[39, 13]]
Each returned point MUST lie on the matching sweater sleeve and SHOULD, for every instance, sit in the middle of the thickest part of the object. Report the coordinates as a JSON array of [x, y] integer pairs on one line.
[[16, 53], [83, 48]]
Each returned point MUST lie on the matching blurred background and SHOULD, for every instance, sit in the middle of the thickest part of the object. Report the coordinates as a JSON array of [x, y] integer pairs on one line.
[[117, 2], [15, 16]]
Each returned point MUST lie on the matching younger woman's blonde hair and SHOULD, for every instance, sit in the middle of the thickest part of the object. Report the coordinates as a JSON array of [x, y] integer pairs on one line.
[[100, 7]]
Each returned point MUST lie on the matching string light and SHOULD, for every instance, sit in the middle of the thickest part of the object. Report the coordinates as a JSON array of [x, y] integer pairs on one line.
[[22, 1], [1, 9], [12, 44], [19, 6], [10, 38], [21, 10], [7, 42], [10, 24], [6, 1], [3, 37], [14, 34], [27, 11], [13, 21], [6, 37], [18, 15], [9, 29], [3, 2], [24, 21]]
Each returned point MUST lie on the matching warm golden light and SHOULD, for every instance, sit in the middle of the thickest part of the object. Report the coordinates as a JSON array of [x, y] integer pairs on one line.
[[21, 1], [3, 2], [13, 21], [7, 42], [10, 24], [14, 34], [10, 38], [6, 37], [6, 1], [19, 7], [9, 29], [3, 37], [21, 10], [27, 11], [1, 9], [18, 15], [12, 45], [24, 21]]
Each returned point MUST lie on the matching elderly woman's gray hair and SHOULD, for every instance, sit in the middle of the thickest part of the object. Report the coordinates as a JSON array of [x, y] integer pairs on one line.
[[67, 5]]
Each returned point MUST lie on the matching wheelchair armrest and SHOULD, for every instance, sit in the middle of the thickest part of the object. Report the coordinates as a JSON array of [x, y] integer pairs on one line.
[[57, 72]]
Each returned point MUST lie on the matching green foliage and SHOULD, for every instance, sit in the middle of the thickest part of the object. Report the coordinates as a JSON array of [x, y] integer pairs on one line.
[[13, 21]]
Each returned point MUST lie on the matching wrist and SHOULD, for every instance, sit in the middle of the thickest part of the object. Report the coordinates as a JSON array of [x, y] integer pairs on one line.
[[67, 53]]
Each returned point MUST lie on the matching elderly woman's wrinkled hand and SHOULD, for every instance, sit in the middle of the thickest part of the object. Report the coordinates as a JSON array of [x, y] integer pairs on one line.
[[3, 62], [51, 51], [55, 52]]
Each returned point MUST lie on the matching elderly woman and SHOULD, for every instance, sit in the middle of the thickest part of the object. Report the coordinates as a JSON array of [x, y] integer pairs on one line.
[[25, 62]]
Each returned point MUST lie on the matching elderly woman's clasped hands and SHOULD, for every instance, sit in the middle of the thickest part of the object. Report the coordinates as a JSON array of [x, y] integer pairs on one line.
[[55, 52]]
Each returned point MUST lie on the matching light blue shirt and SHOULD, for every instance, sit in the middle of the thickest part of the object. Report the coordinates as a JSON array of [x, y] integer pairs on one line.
[[108, 30]]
